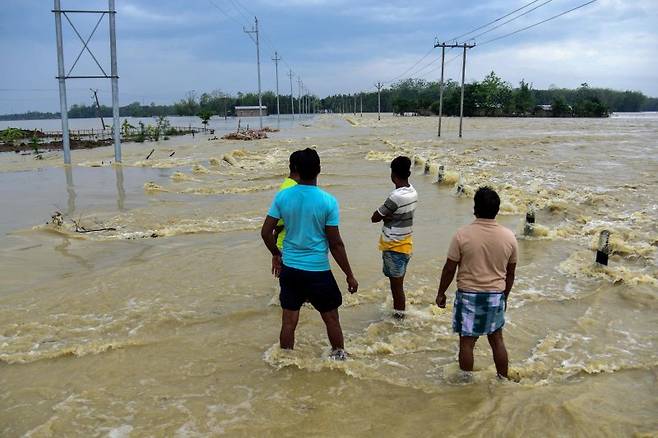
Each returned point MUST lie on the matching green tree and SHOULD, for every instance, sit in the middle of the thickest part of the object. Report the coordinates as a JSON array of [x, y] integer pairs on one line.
[[493, 95], [523, 100], [559, 107], [205, 116]]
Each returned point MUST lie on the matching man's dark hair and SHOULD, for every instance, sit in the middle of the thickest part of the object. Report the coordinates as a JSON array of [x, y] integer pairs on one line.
[[308, 164], [401, 167], [294, 161], [487, 203]]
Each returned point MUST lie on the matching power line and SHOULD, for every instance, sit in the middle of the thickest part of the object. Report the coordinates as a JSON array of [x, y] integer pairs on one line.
[[410, 68], [226, 14], [238, 6], [246, 17], [493, 21], [511, 19], [538, 23], [446, 63], [467, 33]]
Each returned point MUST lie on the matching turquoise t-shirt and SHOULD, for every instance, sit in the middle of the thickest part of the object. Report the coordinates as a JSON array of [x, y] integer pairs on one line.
[[306, 211]]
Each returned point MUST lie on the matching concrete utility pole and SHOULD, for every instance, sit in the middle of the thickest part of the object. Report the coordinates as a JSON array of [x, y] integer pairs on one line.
[[379, 100], [98, 108], [443, 58], [254, 30], [292, 99], [62, 75], [276, 60], [461, 105], [299, 95]]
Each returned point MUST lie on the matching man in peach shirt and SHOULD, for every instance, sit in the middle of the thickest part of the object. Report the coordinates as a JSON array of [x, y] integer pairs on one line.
[[486, 254]]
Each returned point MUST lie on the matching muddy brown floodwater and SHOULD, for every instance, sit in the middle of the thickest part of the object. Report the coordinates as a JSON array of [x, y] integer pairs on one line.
[[166, 322]]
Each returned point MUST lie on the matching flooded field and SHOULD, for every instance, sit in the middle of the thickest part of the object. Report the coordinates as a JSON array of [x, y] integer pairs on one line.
[[147, 308]]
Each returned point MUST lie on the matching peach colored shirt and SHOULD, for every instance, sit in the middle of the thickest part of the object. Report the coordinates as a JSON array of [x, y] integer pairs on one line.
[[483, 250]]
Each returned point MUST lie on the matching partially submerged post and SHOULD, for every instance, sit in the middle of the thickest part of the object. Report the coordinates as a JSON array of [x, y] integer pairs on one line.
[[441, 175], [529, 227], [460, 185], [603, 249]]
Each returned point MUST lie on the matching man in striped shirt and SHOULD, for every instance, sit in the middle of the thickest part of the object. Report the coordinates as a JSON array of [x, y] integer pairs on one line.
[[395, 242]]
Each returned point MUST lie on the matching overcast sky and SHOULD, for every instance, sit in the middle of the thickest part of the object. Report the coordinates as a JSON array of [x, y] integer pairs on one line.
[[169, 47]]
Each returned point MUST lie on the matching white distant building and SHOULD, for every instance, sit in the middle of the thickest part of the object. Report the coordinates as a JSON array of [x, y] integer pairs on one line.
[[249, 111]]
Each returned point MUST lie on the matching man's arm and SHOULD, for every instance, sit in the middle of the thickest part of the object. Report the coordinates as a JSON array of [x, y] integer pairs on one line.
[[447, 274], [267, 234], [509, 278], [277, 230], [376, 217], [388, 208], [337, 248]]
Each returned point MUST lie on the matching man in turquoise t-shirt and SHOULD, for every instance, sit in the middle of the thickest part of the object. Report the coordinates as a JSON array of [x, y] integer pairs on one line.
[[311, 219], [293, 177]]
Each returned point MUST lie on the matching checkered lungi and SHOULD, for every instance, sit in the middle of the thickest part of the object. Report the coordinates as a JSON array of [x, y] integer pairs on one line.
[[478, 313]]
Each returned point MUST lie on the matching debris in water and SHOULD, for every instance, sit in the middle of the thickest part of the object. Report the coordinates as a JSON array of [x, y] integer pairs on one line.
[[248, 134]]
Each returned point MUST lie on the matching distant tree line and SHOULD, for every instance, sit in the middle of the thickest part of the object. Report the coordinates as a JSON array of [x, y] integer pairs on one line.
[[216, 102], [494, 97], [490, 97]]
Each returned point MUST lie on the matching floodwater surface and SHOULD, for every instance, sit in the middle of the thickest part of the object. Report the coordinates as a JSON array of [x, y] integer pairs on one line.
[[146, 306]]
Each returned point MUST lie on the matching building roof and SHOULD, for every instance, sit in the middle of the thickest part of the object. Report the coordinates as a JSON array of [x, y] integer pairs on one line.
[[253, 107]]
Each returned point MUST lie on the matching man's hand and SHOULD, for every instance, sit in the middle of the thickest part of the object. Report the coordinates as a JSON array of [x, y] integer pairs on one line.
[[352, 284], [441, 300], [276, 265]]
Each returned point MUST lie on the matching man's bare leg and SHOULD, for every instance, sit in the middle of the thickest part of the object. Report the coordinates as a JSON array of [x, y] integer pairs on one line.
[[499, 352], [334, 331], [397, 290], [289, 321], [466, 345]]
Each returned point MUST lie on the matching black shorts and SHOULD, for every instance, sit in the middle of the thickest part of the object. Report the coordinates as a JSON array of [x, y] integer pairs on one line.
[[317, 287]]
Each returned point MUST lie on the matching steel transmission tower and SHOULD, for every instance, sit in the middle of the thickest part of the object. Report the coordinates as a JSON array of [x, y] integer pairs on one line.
[[62, 75]]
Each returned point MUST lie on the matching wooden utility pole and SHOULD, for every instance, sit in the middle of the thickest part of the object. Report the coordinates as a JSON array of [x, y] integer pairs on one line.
[[361, 101], [98, 108], [443, 46], [379, 100]]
